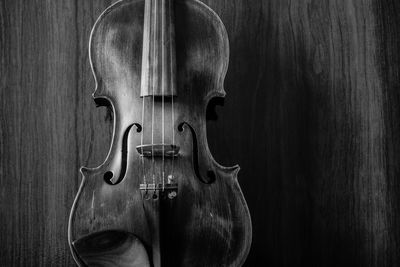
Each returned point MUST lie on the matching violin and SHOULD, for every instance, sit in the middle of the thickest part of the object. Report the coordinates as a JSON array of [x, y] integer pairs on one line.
[[159, 198]]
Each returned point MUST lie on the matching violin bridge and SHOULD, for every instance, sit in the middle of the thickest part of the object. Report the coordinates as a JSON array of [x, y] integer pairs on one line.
[[168, 190], [158, 150]]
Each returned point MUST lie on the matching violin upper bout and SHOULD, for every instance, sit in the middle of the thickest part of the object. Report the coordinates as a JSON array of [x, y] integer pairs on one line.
[[115, 49], [202, 40]]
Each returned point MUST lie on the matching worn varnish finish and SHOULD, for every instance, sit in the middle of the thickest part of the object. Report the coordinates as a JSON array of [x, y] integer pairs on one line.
[[207, 222], [311, 115]]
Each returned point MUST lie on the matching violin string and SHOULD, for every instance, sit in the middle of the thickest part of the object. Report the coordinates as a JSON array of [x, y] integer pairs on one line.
[[153, 84], [163, 88], [148, 15], [170, 9], [141, 145]]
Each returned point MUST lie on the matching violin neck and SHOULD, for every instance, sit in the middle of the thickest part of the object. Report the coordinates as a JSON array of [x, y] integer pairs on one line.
[[158, 60]]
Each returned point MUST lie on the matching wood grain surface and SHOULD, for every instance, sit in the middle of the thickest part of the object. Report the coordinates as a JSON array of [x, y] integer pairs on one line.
[[312, 116], [207, 222]]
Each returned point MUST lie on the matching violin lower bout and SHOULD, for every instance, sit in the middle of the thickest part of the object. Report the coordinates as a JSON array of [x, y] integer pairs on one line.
[[204, 225]]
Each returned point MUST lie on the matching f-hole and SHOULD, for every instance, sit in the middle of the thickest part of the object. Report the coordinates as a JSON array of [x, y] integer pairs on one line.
[[109, 177], [210, 174]]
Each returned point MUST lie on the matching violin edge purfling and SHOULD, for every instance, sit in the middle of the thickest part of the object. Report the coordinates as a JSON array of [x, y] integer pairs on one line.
[[159, 198]]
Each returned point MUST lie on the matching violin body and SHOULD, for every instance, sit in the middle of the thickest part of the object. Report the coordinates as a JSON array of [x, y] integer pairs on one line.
[[191, 210]]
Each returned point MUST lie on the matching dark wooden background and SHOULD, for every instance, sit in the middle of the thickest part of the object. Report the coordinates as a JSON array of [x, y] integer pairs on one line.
[[312, 116]]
